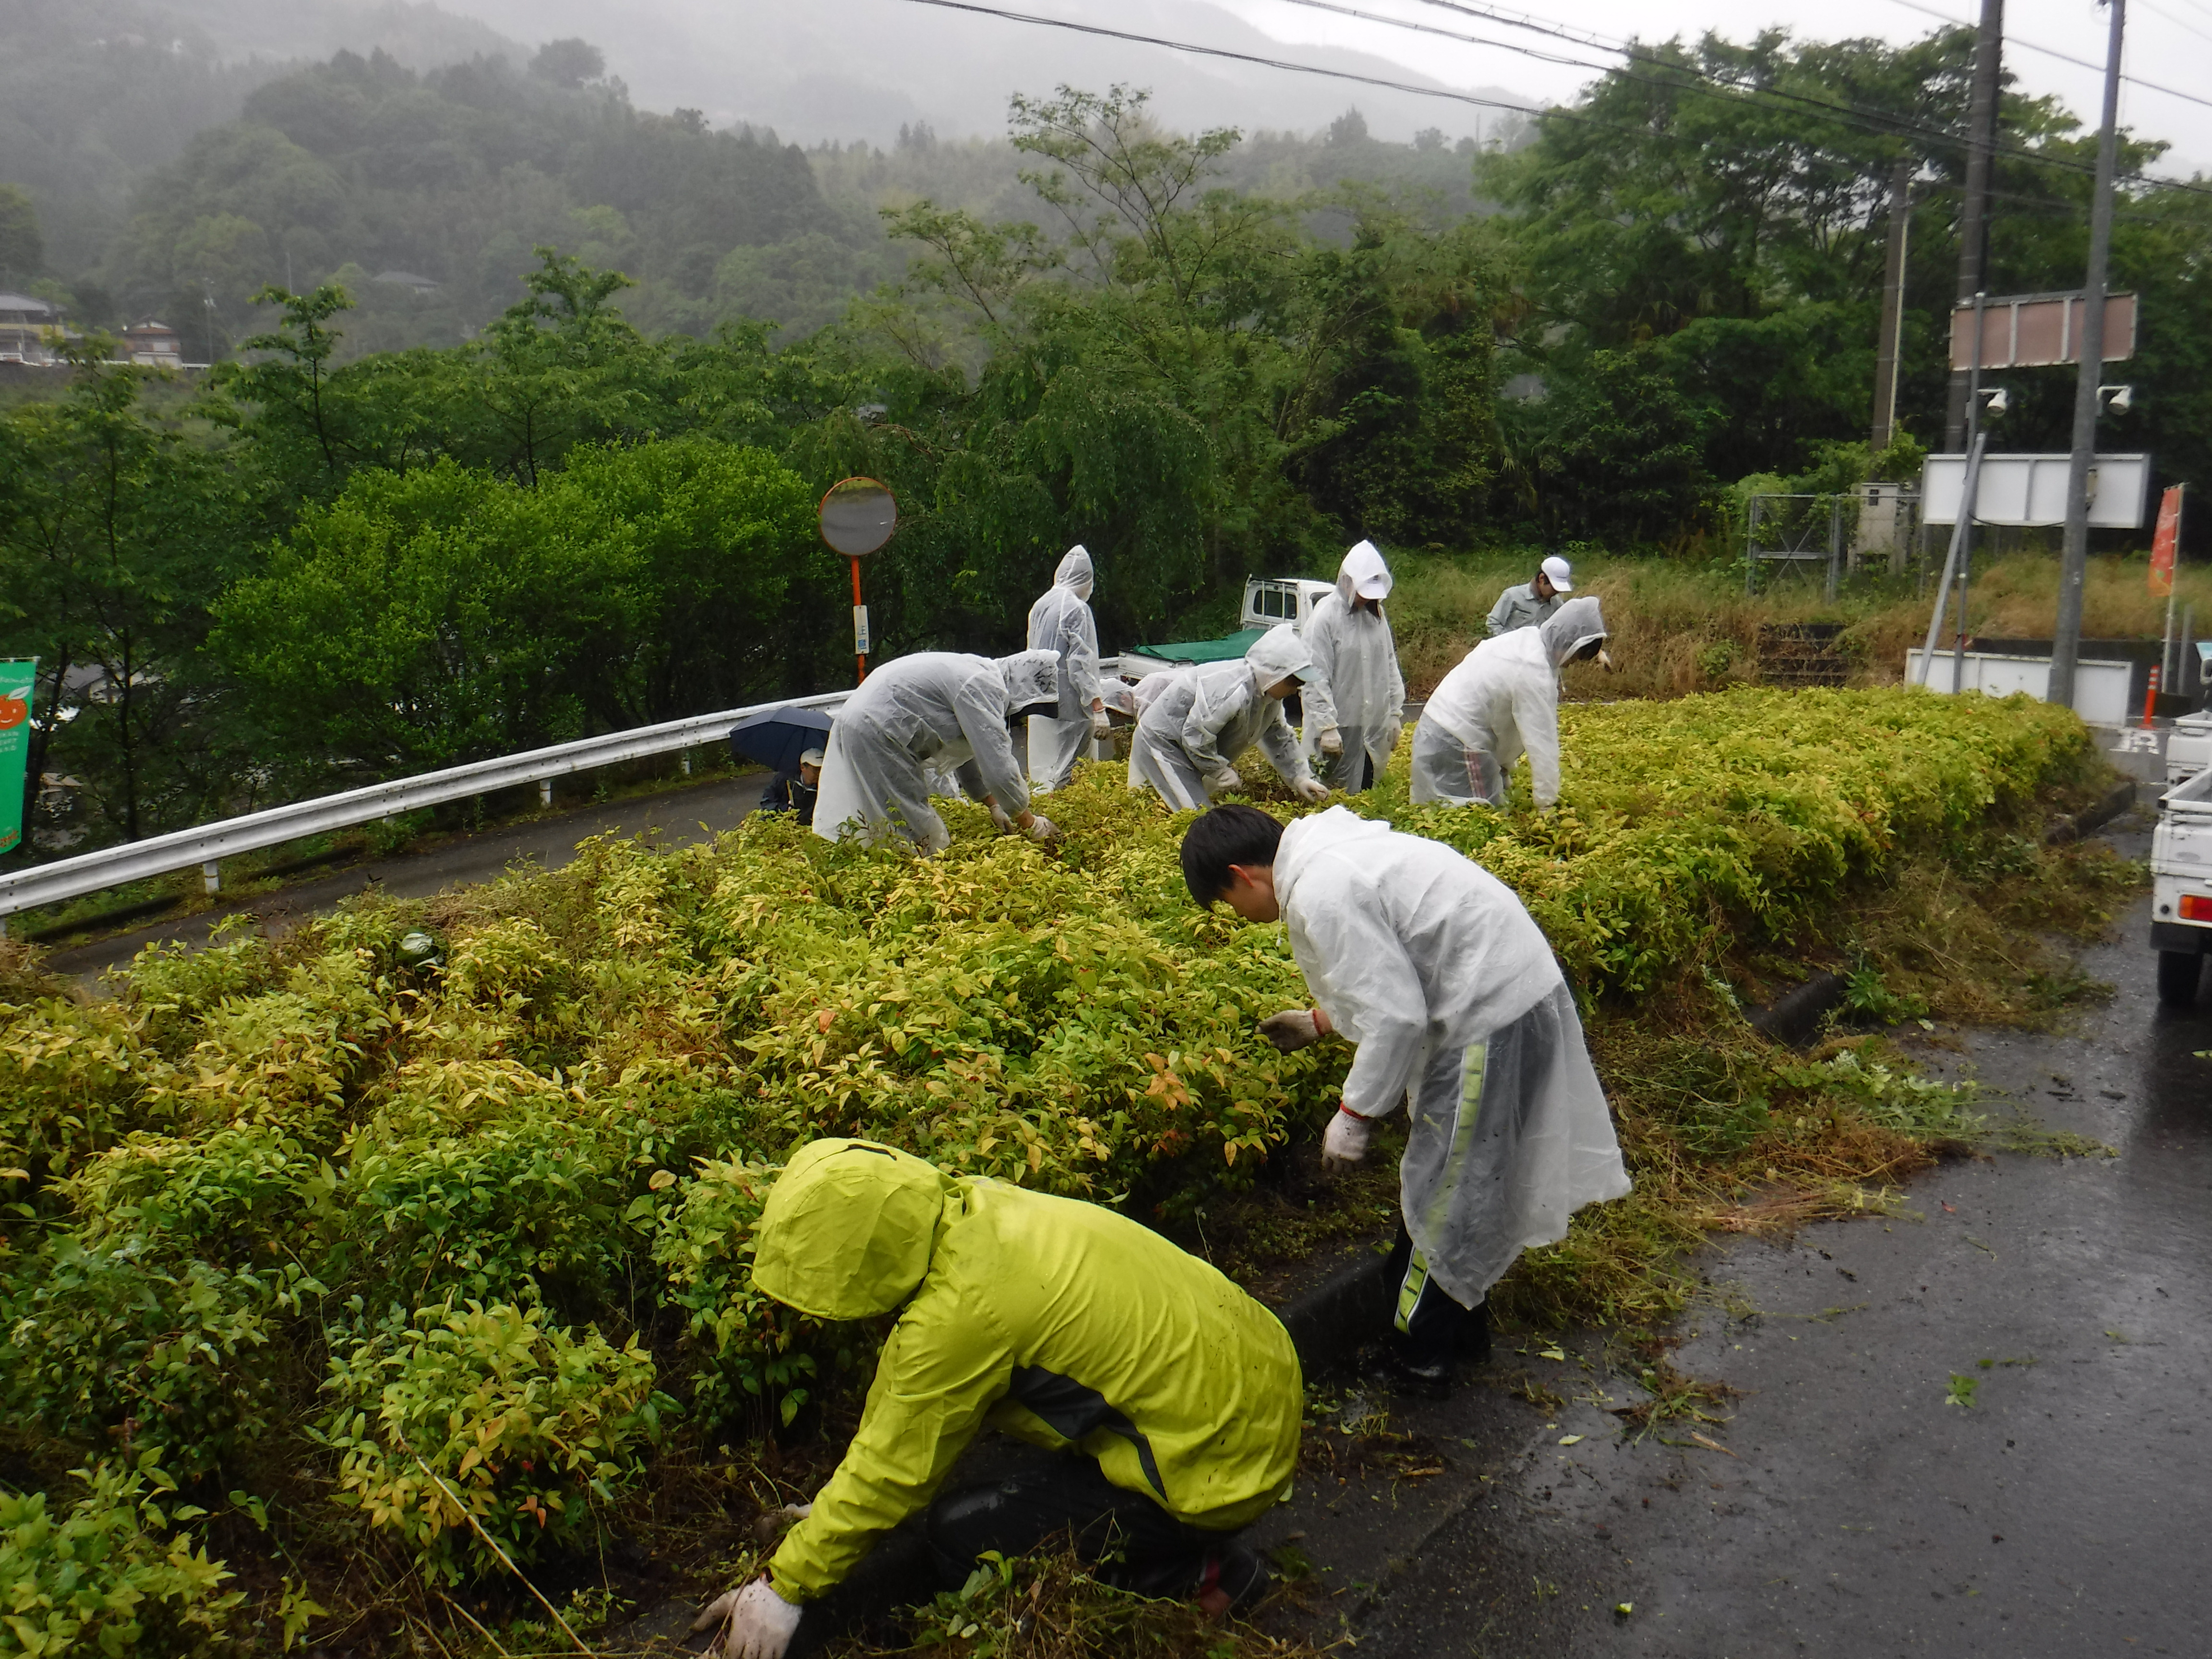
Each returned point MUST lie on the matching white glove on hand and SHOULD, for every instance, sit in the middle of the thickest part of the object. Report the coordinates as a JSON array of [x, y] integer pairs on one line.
[[1100, 725], [1345, 1142], [1005, 824], [1332, 742], [1042, 827], [751, 1623], [1291, 1029], [1310, 789], [1221, 782]]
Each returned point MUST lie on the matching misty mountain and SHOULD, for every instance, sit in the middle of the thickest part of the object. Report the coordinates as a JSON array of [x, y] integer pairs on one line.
[[845, 70]]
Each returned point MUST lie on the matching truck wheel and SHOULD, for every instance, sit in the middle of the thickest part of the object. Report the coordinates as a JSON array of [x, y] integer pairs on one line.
[[2177, 977]]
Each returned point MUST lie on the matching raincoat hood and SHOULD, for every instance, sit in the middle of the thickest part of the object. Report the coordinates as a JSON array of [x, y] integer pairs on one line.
[[1075, 572], [1363, 575], [1571, 628], [1278, 654], [848, 1230], [1032, 677]]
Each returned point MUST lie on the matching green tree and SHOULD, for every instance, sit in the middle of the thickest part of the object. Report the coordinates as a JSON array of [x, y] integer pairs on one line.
[[22, 244]]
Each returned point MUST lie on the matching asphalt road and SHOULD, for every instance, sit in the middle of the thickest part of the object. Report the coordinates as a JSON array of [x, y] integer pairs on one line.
[[1859, 1507], [676, 817]]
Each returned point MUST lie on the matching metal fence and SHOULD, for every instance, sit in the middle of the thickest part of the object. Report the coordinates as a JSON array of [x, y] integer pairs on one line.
[[209, 845], [1797, 531]]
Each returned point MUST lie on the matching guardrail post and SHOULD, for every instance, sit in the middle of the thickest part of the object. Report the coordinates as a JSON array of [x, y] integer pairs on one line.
[[686, 758], [211, 873], [544, 792]]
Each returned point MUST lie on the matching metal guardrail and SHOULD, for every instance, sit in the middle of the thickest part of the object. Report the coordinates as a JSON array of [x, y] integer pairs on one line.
[[209, 845]]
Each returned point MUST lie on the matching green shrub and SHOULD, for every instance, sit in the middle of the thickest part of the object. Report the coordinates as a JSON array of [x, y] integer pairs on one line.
[[70, 1080], [112, 1573], [112, 1341], [747, 1339], [489, 1412], [218, 1196], [176, 985]]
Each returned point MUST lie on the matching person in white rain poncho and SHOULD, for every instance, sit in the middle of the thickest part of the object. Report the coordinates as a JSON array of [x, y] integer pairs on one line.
[[1429, 964], [1061, 623], [1355, 697], [1504, 699], [934, 709], [1189, 735]]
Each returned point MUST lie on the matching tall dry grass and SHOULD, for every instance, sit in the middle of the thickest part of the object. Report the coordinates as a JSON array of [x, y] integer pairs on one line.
[[1679, 627]]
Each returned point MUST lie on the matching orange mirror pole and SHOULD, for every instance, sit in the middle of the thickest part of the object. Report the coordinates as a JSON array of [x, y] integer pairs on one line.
[[860, 623]]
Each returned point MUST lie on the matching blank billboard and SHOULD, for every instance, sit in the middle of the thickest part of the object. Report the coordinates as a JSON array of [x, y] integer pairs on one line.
[[2031, 489]]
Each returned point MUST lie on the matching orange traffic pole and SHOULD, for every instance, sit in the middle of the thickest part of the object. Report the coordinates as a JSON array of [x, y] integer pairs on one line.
[[859, 655], [2150, 697]]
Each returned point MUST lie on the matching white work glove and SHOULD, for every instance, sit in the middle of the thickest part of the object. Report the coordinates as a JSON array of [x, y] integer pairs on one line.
[[1004, 824], [1291, 1029], [1605, 660], [1042, 827], [1332, 742], [751, 1623], [1221, 782], [1309, 789], [1100, 725], [1345, 1142]]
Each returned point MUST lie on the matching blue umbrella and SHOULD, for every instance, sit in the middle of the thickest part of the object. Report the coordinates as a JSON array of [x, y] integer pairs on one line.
[[778, 738]]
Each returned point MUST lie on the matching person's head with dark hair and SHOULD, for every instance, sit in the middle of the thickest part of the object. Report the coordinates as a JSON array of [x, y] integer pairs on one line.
[[1229, 856]]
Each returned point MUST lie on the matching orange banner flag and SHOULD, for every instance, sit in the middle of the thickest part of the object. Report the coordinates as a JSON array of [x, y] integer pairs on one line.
[[2165, 542]]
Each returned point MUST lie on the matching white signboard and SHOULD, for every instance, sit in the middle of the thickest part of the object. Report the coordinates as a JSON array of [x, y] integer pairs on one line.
[[2031, 489], [2101, 689]]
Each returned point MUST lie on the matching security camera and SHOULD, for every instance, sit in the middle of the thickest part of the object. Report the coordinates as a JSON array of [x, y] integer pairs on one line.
[[2118, 399]]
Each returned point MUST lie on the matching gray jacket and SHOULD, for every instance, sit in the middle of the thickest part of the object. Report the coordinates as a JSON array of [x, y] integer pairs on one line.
[[1519, 607]]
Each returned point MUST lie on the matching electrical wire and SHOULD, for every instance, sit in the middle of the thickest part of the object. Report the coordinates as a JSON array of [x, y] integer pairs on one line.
[[2052, 51], [2179, 22], [1692, 83]]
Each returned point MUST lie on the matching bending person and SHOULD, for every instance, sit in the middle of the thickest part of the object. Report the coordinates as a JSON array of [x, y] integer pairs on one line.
[[1061, 623], [1170, 1399], [1355, 697], [940, 709], [1502, 701], [1429, 964], [1533, 601], [1206, 717]]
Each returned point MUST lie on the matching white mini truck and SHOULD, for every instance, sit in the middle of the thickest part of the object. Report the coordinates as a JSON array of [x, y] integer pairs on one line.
[[2181, 888]]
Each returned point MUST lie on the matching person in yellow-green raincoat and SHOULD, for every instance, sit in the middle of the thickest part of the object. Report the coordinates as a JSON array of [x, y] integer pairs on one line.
[[1172, 1399]]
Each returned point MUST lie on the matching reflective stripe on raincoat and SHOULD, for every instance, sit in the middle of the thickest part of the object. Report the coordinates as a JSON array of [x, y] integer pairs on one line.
[[1432, 967], [1057, 1320]]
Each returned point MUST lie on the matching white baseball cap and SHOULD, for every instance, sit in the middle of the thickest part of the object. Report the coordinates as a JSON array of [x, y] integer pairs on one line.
[[1559, 574], [812, 757]]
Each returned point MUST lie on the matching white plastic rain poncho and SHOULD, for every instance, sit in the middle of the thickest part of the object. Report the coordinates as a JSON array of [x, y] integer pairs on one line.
[[1355, 689], [1189, 738], [1430, 966], [1503, 700], [1061, 623], [935, 709]]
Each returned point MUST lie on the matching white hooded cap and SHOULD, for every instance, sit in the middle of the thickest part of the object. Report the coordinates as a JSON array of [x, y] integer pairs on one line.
[[1278, 654], [1571, 628], [1363, 575], [1032, 677], [1075, 572], [1559, 574]]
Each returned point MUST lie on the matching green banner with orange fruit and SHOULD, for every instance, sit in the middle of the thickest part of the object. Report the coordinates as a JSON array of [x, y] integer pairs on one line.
[[17, 676]]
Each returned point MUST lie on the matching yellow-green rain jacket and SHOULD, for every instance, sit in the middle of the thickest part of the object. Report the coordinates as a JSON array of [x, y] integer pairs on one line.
[[1057, 1320]]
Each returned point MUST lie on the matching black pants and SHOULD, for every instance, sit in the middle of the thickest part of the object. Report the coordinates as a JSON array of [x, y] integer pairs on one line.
[[1050, 1495], [1429, 1328]]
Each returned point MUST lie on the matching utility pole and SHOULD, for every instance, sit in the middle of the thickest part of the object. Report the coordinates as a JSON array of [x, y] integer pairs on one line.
[[1974, 210], [1893, 306], [2074, 564]]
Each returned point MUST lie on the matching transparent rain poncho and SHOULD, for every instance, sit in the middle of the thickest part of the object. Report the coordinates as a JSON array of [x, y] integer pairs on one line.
[[1206, 717], [1061, 623], [1431, 966], [934, 710], [1355, 687], [1503, 700]]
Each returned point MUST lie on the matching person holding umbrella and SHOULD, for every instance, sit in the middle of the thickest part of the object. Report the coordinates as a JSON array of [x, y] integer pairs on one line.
[[790, 742], [796, 792]]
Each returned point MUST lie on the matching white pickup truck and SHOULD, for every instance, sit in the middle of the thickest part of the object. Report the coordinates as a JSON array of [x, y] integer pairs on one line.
[[1268, 602], [2181, 888], [2188, 747]]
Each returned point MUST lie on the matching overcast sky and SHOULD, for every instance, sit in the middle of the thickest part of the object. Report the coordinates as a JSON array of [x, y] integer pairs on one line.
[[2171, 45]]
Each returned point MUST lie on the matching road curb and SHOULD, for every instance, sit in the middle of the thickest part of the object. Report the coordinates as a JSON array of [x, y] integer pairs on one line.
[[1329, 1322], [2116, 800]]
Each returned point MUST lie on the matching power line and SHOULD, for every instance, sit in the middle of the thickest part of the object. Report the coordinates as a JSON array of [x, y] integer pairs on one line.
[[2052, 51], [2179, 22], [1691, 84]]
